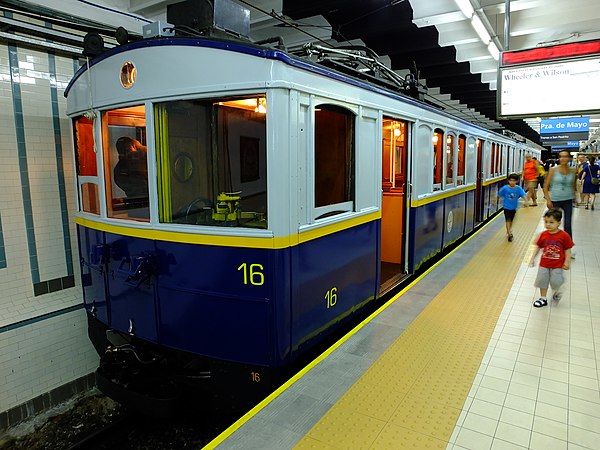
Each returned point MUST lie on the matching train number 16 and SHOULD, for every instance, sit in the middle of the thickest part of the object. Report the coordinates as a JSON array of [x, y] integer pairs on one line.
[[253, 274], [331, 297]]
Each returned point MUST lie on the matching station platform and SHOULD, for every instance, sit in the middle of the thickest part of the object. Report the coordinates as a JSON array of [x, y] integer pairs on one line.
[[460, 359]]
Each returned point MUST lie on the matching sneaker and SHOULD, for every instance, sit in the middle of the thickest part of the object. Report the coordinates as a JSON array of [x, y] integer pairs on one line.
[[557, 296], [540, 302]]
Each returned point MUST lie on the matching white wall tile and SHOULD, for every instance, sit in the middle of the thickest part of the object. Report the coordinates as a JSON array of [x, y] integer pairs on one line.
[[37, 357]]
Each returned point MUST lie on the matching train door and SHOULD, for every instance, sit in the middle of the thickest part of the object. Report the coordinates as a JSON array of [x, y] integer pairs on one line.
[[131, 275], [478, 190], [393, 208]]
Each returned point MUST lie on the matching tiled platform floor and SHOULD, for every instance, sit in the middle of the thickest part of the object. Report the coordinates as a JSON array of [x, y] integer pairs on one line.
[[535, 382]]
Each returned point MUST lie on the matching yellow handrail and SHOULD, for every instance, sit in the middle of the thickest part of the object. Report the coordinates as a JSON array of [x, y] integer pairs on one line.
[[163, 159]]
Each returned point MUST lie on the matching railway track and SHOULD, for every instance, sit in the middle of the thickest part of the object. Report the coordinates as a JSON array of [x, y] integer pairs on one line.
[[138, 432]]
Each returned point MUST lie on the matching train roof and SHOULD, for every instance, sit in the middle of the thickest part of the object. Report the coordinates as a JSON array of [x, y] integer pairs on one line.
[[265, 52]]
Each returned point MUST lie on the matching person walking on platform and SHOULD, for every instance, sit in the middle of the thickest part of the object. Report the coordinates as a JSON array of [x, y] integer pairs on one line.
[[555, 245], [560, 189], [530, 175], [541, 174], [510, 193], [581, 162], [590, 176]]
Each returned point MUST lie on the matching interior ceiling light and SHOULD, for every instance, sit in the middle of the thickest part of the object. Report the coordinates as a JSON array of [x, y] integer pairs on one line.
[[260, 106]]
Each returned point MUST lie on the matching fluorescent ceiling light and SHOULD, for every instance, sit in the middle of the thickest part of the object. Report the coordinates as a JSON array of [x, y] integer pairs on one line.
[[466, 7], [493, 50], [480, 29]]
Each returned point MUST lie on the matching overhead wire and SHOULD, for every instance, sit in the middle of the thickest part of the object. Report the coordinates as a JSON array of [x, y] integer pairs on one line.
[[276, 16], [298, 27]]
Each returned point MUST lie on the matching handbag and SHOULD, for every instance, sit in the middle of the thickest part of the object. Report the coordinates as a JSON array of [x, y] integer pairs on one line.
[[595, 180]]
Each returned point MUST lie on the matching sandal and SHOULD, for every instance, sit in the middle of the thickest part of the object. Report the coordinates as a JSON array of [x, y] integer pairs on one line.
[[540, 302]]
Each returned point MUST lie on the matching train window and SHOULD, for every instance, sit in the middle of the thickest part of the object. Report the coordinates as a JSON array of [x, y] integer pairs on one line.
[[334, 160], [497, 160], [450, 142], [394, 148], [512, 151], [211, 161], [438, 157], [493, 170], [87, 169], [481, 150], [462, 148], [494, 159], [125, 163], [490, 162]]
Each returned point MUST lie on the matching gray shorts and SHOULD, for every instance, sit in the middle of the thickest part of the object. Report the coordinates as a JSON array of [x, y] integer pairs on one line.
[[551, 277]]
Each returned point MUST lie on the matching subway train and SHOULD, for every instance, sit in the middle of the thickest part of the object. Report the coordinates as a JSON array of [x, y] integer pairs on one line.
[[237, 203]]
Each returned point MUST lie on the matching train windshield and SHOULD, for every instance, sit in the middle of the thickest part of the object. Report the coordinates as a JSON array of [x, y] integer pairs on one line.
[[211, 161]]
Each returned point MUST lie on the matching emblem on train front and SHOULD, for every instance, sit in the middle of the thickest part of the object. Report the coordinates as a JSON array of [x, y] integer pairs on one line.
[[449, 221], [128, 74]]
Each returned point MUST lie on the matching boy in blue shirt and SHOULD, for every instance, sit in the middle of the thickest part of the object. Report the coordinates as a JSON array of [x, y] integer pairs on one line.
[[510, 193]]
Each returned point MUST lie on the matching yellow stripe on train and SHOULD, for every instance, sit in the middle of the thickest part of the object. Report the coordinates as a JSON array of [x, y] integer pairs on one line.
[[266, 242], [440, 196]]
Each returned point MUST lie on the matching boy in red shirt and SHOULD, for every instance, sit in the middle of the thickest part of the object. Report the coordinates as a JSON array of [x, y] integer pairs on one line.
[[556, 247]]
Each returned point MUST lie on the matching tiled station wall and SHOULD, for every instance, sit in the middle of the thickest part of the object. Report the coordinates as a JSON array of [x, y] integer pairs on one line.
[[43, 337]]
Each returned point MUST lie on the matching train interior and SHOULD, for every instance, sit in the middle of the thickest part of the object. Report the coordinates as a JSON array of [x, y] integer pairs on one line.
[[192, 137], [394, 165]]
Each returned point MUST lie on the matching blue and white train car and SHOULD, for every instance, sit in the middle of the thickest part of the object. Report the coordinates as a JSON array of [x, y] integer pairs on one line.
[[273, 199]]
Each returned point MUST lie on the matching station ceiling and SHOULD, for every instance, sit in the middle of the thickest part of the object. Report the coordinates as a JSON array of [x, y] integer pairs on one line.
[[437, 37]]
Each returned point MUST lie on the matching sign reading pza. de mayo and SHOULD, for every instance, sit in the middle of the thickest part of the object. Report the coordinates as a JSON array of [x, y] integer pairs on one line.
[[565, 125], [553, 131]]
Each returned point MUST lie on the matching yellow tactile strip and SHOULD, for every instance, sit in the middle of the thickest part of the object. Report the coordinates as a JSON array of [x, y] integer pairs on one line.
[[412, 395]]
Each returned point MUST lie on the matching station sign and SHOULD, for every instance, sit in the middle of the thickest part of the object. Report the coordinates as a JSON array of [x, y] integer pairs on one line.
[[552, 80], [567, 145], [561, 130]]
